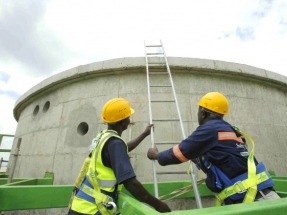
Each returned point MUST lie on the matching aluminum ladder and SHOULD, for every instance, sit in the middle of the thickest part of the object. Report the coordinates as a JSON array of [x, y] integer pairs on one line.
[[159, 85]]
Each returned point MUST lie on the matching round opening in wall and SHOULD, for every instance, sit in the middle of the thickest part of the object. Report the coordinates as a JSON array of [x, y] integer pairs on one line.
[[36, 110], [83, 128], [46, 106]]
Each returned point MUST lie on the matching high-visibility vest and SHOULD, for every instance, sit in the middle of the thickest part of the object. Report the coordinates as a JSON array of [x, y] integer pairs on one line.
[[99, 183]]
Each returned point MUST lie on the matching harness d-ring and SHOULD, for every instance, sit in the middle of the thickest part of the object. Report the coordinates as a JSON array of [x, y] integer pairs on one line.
[[113, 206]]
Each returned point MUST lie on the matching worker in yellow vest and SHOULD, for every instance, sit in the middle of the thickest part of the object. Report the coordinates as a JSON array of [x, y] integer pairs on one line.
[[108, 167], [219, 149]]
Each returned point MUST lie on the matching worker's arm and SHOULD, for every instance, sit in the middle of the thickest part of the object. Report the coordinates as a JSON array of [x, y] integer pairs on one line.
[[135, 142], [115, 156], [140, 193], [200, 141], [164, 158]]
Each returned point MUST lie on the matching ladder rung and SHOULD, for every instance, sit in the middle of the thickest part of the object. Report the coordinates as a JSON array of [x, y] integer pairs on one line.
[[162, 100], [156, 63], [156, 53], [167, 119], [160, 86], [153, 46], [177, 172], [167, 142], [157, 73]]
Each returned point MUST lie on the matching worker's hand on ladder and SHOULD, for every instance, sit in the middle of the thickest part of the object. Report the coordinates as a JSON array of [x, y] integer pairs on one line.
[[147, 130], [152, 153]]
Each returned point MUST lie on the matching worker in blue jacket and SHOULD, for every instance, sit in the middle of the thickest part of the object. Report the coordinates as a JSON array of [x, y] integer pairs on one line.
[[219, 150]]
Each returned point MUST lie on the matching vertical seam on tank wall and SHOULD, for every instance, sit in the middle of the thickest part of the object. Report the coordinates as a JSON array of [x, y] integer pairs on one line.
[[57, 140]]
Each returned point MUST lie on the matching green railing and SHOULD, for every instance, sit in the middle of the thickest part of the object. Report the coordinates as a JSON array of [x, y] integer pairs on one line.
[[4, 150], [28, 194], [129, 205], [31, 193], [1, 138]]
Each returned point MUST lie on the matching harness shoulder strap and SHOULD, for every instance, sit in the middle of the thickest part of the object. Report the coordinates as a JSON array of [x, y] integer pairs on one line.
[[248, 185], [102, 200], [90, 189]]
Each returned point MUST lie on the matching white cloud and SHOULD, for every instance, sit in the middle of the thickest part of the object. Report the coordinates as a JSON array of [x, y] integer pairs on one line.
[[53, 36], [7, 123], [12, 86]]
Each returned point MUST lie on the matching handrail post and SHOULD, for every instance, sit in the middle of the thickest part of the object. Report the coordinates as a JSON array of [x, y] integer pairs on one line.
[[14, 160]]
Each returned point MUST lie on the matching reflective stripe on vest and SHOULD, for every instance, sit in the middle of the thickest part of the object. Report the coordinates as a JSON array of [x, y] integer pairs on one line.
[[86, 191]]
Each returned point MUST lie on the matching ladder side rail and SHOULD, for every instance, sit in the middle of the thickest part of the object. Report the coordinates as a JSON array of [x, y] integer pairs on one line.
[[1, 162], [1, 137], [149, 95], [150, 121], [192, 173], [174, 94], [194, 185]]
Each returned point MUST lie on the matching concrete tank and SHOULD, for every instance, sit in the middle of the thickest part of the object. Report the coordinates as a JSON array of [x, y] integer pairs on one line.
[[58, 118]]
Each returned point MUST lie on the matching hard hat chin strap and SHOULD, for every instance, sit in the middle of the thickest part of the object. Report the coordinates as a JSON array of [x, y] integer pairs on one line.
[[213, 115]]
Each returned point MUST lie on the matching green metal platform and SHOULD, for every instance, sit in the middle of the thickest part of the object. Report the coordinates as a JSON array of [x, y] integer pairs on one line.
[[29, 194]]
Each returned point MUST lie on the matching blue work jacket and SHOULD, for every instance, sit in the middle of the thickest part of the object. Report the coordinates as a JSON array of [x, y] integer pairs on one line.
[[217, 141]]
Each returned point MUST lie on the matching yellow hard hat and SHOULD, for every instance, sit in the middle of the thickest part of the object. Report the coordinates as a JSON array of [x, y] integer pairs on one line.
[[216, 102], [116, 109]]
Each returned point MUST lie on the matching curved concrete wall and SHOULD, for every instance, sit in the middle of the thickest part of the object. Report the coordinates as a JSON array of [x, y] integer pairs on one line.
[[58, 118]]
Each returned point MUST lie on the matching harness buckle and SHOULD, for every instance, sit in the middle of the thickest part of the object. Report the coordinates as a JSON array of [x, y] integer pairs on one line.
[[238, 187]]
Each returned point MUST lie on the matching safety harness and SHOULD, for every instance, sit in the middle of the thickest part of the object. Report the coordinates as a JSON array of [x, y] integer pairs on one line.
[[243, 186], [87, 185]]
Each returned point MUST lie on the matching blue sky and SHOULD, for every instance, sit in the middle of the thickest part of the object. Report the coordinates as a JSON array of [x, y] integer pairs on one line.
[[42, 38]]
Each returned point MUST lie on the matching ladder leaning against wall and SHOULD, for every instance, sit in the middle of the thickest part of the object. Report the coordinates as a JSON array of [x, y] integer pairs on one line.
[[163, 107]]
